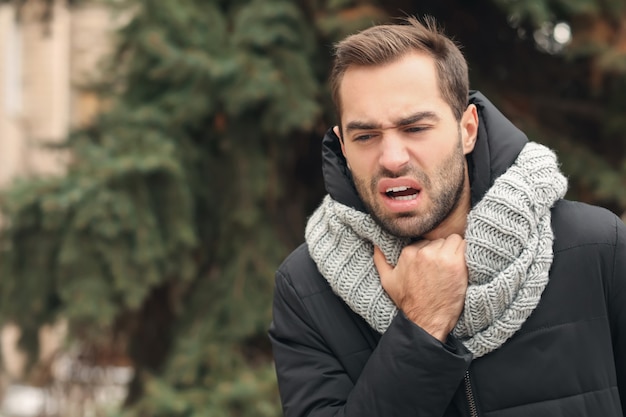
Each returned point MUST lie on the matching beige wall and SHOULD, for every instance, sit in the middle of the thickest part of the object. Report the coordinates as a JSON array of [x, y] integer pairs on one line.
[[10, 96], [45, 69]]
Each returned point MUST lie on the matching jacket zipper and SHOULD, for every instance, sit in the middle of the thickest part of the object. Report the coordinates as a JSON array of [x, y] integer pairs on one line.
[[469, 394]]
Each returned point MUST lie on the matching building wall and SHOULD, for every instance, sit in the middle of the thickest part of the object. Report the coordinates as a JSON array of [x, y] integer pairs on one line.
[[45, 69]]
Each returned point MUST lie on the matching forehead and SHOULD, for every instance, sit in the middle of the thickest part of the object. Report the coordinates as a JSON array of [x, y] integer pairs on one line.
[[385, 92]]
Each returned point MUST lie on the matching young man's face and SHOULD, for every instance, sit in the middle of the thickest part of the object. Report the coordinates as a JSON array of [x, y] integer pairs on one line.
[[404, 147]]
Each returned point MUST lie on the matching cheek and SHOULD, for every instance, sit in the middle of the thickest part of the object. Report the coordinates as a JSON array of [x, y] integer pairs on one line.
[[361, 176], [357, 161], [356, 171]]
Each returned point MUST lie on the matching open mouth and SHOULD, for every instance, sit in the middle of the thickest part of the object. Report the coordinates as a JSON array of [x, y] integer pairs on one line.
[[402, 193]]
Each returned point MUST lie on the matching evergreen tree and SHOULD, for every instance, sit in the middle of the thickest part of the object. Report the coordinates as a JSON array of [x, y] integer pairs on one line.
[[179, 203], [566, 95], [185, 195]]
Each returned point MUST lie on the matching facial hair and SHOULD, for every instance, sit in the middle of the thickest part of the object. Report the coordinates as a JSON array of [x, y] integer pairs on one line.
[[444, 188]]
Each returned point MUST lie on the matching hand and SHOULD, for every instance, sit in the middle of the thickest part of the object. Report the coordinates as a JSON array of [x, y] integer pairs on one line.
[[428, 283]]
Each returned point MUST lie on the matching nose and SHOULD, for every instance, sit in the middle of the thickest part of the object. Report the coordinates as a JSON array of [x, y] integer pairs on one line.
[[393, 154]]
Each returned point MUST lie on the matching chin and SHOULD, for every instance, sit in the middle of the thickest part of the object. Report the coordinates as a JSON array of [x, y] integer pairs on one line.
[[404, 227]]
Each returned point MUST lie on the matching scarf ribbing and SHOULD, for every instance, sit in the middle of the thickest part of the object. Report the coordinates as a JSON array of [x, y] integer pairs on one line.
[[508, 253]]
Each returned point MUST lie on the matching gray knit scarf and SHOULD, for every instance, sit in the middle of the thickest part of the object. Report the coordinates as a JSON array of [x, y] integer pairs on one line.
[[509, 253]]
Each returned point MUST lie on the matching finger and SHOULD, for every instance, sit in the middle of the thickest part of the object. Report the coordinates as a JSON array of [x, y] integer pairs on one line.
[[420, 243], [415, 247], [383, 267], [457, 243], [454, 243], [385, 271], [439, 243], [461, 247]]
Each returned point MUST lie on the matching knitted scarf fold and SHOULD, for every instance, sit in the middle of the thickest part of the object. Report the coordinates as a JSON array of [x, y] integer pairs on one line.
[[509, 253]]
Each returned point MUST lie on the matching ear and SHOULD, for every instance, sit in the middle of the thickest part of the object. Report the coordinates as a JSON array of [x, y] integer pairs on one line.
[[341, 141], [469, 128]]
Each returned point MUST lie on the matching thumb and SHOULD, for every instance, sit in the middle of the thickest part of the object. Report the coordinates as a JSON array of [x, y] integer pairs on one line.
[[384, 269]]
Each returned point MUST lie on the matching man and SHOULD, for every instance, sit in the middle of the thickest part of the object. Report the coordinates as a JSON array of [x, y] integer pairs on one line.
[[444, 274]]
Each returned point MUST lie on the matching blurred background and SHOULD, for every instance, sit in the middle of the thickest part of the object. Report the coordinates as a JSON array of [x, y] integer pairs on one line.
[[159, 158]]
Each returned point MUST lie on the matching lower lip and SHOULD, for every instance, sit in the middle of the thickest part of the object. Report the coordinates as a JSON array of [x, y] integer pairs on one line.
[[401, 206]]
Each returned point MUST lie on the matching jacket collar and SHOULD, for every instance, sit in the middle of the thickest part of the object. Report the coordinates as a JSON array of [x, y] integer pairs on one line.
[[497, 146]]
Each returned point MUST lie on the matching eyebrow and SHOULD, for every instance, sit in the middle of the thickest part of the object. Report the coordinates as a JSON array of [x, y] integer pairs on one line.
[[404, 121]]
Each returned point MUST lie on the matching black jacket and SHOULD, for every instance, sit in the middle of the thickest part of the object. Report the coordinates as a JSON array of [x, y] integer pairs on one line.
[[568, 359]]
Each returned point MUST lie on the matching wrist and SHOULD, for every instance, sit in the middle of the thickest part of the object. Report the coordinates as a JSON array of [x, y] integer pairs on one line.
[[435, 326]]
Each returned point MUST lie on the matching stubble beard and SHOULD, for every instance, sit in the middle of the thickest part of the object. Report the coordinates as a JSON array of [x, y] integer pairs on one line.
[[448, 182]]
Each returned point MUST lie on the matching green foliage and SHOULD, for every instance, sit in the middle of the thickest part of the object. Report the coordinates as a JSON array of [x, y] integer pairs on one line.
[[541, 11], [252, 394], [179, 202], [177, 189], [593, 149]]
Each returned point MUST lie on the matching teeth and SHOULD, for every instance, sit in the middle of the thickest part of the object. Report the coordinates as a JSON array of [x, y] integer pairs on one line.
[[406, 197], [397, 189]]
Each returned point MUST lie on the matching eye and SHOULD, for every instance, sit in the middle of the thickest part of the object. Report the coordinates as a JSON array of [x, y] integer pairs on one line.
[[415, 129], [362, 138]]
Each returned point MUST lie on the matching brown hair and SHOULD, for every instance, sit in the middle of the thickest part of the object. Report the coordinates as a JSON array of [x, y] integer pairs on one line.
[[383, 44]]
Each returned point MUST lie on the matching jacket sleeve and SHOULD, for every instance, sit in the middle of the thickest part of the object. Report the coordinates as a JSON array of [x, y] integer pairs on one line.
[[408, 373], [617, 308]]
